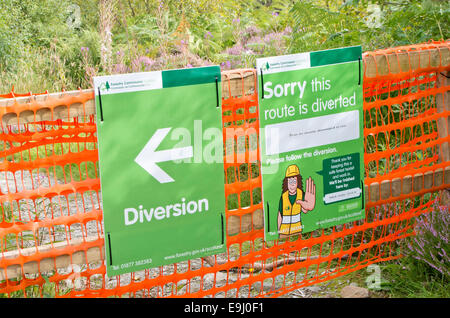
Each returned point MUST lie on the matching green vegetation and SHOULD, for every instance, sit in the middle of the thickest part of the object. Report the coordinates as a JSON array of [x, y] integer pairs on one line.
[[422, 272], [425, 271], [53, 45]]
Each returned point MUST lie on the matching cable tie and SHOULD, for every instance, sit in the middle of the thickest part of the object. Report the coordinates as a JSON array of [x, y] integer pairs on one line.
[[217, 92], [262, 84], [223, 236], [362, 194], [109, 247], [101, 107], [359, 71]]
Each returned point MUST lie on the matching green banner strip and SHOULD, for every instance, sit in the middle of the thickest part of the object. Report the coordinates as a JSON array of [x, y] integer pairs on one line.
[[335, 56], [191, 76]]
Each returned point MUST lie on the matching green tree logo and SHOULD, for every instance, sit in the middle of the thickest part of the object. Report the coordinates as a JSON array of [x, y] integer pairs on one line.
[[105, 86]]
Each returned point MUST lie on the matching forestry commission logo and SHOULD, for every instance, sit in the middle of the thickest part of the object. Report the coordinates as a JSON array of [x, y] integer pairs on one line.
[[124, 83], [105, 86], [291, 62]]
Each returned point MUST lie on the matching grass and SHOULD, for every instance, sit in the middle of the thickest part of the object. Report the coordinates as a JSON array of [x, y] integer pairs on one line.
[[409, 279]]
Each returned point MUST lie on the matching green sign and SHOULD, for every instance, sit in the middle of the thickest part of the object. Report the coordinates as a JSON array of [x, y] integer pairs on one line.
[[311, 119], [161, 167], [341, 173]]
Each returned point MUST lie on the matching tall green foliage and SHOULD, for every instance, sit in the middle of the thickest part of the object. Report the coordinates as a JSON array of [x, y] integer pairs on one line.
[[12, 34], [319, 26], [41, 49], [416, 21]]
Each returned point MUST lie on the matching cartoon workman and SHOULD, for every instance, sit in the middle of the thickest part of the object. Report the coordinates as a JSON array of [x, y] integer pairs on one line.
[[294, 201]]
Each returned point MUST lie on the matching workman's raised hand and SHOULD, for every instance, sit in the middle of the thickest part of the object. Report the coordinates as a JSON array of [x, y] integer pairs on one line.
[[310, 196]]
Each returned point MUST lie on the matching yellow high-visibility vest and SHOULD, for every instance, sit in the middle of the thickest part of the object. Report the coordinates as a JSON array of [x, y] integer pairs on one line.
[[291, 222]]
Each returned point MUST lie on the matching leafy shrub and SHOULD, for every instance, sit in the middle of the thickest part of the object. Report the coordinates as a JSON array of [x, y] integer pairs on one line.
[[40, 50], [424, 269], [431, 244], [347, 23]]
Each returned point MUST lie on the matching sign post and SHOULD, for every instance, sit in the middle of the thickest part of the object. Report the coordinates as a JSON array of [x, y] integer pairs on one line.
[[311, 119], [161, 167]]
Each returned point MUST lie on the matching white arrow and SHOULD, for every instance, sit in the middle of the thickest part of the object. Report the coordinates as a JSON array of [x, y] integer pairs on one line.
[[148, 157]]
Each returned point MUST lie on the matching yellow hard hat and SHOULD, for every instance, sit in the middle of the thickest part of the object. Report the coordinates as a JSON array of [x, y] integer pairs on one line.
[[292, 170]]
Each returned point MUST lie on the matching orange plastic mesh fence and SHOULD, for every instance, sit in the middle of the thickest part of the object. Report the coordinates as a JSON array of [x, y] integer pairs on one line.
[[13, 94], [51, 235]]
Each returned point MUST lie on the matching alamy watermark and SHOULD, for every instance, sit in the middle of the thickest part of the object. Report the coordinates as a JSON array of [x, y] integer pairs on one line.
[[373, 281], [228, 145], [74, 16]]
